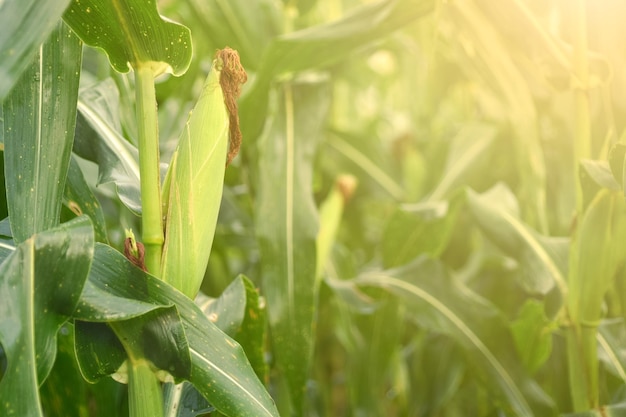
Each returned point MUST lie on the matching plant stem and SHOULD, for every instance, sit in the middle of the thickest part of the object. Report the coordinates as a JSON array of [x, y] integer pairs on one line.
[[145, 398], [583, 367], [144, 390], [581, 340], [151, 219]]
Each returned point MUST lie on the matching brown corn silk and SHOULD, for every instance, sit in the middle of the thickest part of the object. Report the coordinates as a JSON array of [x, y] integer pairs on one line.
[[232, 77]]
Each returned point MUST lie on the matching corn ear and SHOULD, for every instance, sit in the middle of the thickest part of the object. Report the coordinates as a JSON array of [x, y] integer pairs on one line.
[[193, 188]]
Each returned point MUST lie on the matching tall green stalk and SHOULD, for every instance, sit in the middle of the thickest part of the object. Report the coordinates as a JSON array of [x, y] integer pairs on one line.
[[581, 341], [151, 219], [144, 389]]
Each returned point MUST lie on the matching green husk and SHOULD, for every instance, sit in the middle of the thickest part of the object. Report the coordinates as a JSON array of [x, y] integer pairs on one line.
[[193, 189]]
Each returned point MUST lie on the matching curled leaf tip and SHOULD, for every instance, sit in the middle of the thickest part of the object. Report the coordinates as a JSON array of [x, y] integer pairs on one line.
[[232, 77]]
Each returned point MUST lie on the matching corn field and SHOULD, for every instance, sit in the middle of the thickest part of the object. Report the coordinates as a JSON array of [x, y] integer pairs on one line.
[[312, 208]]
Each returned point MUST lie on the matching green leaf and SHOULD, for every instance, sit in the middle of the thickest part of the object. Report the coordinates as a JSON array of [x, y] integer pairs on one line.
[[41, 282], [251, 334], [159, 337], [616, 162], [184, 400], [118, 290], [99, 352], [368, 161], [324, 45], [245, 26], [80, 200], [64, 392], [193, 189], [25, 26], [439, 368], [541, 260], [237, 313], [99, 139], [533, 335], [493, 65], [133, 34], [595, 259], [419, 228], [601, 173], [611, 338], [286, 224], [39, 120], [443, 305], [468, 146], [228, 309], [371, 339]]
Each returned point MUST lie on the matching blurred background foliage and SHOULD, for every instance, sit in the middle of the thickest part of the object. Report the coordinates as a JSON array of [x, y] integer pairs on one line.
[[457, 119]]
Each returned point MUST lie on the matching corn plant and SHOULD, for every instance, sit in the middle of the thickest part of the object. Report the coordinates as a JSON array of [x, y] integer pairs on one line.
[[312, 208]]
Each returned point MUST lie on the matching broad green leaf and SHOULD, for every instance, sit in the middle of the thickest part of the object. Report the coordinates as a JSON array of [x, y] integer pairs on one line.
[[617, 155], [417, 229], [40, 282], [493, 64], [64, 393], [533, 335], [595, 259], [438, 369], [228, 309], [516, 19], [371, 339], [251, 335], [25, 26], [286, 225], [324, 45], [542, 261], [468, 146], [245, 26], [237, 313], [39, 120], [133, 34], [99, 352], [193, 189], [17, 335], [118, 290], [80, 200], [142, 331], [441, 304], [184, 400], [159, 337], [368, 159], [99, 139], [611, 338], [601, 173]]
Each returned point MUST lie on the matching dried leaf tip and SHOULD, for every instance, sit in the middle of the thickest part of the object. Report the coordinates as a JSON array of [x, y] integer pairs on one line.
[[232, 77]]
